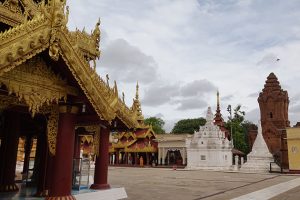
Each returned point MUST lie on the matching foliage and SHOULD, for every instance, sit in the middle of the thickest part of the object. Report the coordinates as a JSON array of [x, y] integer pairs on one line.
[[240, 128], [188, 125], [157, 124]]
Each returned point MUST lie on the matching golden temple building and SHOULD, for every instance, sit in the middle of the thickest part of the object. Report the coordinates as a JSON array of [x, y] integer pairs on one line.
[[49, 90]]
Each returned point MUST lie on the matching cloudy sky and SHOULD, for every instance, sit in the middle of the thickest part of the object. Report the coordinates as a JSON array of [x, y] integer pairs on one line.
[[183, 51]]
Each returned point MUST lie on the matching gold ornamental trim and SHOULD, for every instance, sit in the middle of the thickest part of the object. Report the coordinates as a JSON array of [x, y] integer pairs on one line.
[[52, 129], [97, 141], [36, 84]]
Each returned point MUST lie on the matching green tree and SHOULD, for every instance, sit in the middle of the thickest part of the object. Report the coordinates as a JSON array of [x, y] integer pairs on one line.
[[240, 129], [157, 124], [188, 125]]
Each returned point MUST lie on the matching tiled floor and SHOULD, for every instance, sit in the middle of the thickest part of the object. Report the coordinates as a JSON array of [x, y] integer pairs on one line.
[[24, 193]]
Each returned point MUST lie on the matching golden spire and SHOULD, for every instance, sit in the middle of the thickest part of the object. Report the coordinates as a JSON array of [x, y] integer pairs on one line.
[[107, 79], [116, 88], [137, 91]]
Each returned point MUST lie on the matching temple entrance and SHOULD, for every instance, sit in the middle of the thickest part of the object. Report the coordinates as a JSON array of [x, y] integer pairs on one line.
[[173, 157]]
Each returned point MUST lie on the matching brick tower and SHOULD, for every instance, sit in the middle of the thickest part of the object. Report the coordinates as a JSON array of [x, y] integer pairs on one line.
[[273, 102]]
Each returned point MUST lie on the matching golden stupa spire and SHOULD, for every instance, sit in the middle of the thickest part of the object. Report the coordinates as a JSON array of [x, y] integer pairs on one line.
[[137, 91]]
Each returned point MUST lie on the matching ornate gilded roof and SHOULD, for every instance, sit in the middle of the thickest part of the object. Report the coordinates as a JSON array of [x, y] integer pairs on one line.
[[44, 27], [135, 141]]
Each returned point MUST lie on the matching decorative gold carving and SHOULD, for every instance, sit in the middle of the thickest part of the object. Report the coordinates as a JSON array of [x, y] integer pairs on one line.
[[6, 101], [11, 13], [12, 5], [34, 82], [52, 128], [97, 141]]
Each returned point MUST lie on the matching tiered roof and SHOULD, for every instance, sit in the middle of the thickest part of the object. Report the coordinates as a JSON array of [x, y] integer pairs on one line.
[[37, 27]]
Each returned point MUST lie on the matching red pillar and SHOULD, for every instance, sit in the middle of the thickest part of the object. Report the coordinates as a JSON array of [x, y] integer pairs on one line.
[[77, 146], [43, 158], [135, 158], [8, 152], [49, 173], [101, 167], [27, 148], [61, 182], [117, 157]]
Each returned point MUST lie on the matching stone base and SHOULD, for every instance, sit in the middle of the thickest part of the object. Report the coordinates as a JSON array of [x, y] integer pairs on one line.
[[69, 197], [9, 188], [100, 186], [257, 165], [209, 168]]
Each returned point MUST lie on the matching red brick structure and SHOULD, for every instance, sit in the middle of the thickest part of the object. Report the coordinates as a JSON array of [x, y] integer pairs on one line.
[[273, 102]]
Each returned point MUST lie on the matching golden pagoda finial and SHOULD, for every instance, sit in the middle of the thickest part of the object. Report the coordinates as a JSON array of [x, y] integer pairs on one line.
[[123, 97], [96, 33], [137, 91], [107, 79], [116, 88]]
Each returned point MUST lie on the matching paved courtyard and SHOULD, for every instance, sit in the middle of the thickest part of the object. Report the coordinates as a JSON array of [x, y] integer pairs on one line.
[[167, 184]]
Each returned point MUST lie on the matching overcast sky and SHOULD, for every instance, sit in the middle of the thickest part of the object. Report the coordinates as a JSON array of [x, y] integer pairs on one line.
[[183, 51]]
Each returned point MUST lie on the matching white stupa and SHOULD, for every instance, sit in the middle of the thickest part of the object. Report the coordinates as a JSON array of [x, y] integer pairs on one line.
[[258, 160], [209, 148]]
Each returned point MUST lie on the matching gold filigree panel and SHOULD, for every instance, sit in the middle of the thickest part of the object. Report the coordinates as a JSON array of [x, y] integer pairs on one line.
[[35, 83], [97, 141], [52, 128]]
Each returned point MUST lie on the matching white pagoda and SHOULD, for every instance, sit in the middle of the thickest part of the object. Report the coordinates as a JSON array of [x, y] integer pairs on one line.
[[258, 160], [209, 148]]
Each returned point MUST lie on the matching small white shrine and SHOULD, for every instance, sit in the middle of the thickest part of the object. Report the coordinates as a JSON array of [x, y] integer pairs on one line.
[[209, 148], [258, 160]]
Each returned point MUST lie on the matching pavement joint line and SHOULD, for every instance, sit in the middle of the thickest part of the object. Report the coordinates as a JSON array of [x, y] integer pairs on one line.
[[271, 191], [235, 188]]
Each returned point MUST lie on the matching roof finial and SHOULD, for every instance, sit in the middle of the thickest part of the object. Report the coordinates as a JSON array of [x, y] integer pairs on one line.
[[107, 79], [116, 88], [137, 91], [218, 99], [123, 97]]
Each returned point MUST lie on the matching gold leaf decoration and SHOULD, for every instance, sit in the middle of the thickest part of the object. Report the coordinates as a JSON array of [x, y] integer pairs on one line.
[[35, 83], [52, 128]]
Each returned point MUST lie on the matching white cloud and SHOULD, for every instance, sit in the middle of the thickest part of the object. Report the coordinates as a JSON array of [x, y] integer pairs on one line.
[[128, 63], [172, 44]]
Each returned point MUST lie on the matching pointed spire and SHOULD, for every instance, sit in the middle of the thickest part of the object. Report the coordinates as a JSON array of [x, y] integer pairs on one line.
[[218, 117], [209, 116], [219, 121], [107, 79], [137, 105], [218, 100], [137, 91], [116, 88]]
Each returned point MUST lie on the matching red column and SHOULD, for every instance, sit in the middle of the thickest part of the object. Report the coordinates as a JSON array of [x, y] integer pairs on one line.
[[101, 167], [77, 146], [43, 158], [27, 147], [9, 150], [117, 157], [61, 182], [135, 159], [49, 172]]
